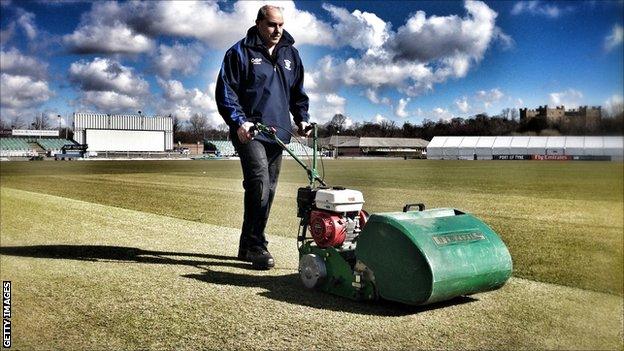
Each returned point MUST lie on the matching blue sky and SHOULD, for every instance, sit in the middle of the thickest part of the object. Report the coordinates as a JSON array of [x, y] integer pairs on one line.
[[402, 61]]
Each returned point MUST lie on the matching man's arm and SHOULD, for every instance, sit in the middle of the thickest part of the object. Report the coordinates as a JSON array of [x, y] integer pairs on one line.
[[226, 94], [299, 101]]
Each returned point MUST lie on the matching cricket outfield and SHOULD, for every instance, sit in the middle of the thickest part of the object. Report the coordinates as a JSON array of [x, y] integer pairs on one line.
[[139, 254]]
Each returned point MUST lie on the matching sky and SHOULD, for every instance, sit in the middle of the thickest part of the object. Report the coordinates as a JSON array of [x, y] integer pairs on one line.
[[398, 61]]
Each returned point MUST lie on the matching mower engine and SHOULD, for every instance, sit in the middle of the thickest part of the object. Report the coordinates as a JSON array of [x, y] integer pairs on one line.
[[334, 216]]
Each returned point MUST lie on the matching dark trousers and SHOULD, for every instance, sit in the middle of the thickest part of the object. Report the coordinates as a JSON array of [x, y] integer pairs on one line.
[[261, 162]]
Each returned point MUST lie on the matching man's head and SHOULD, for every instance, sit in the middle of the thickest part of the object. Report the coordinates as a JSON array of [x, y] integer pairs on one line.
[[270, 24]]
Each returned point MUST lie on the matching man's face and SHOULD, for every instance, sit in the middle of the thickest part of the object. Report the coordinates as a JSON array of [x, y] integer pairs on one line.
[[271, 27]]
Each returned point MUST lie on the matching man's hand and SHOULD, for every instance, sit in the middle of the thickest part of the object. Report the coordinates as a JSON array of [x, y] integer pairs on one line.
[[243, 132], [302, 129]]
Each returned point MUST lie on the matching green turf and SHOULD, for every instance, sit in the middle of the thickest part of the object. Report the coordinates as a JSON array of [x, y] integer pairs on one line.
[[562, 221], [95, 277]]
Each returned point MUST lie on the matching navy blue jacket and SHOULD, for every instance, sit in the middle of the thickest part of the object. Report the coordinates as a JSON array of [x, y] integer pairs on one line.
[[257, 87]]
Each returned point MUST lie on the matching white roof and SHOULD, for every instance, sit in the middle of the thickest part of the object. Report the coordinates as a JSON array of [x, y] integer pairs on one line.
[[575, 142], [437, 141], [594, 142], [537, 142], [519, 141], [486, 141], [469, 142], [453, 141], [613, 142], [502, 141], [555, 141]]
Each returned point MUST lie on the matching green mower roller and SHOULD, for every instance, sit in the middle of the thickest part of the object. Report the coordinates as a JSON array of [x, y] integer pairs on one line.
[[414, 256]]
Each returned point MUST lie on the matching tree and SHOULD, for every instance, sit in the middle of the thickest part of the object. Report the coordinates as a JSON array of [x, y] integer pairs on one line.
[[176, 124], [198, 125], [337, 124], [17, 122], [515, 114], [41, 122]]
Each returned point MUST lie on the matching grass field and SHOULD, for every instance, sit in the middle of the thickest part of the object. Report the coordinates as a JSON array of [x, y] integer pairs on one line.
[[139, 255]]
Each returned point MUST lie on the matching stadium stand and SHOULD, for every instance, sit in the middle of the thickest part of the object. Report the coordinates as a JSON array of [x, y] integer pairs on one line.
[[14, 147], [226, 148], [50, 144], [22, 147], [299, 149]]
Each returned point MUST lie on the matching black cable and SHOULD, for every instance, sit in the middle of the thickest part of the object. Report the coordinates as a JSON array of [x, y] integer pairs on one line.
[[322, 165], [308, 163]]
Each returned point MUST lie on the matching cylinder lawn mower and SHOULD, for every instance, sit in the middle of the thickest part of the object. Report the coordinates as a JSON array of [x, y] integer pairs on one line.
[[414, 256]]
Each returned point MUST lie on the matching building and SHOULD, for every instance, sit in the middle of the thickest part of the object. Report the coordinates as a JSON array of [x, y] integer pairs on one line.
[[584, 115], [123, 133], [393, 147]]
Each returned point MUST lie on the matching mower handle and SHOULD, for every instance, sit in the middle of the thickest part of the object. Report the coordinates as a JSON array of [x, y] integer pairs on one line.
[[271, 132], [421, 207]]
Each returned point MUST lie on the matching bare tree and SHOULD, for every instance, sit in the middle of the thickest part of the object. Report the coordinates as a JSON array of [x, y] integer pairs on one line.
[[17, 122], [515, 114], [506, 113], [176, 124], [198, 125], [41, 122]]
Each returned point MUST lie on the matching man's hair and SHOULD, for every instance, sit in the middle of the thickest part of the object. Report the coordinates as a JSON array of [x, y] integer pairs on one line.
[[262, 12]]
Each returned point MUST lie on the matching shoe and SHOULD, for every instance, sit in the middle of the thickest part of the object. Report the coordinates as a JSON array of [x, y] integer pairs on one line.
[[242, 254], [260, 258]]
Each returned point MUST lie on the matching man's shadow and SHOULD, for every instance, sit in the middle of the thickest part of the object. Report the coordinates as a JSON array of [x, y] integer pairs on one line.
[[286, 288]]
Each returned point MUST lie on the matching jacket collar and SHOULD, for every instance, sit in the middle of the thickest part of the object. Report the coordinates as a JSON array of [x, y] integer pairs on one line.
[[253, 39]]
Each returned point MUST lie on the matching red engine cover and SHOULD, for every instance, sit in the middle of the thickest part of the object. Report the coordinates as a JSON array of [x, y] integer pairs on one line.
[[328, 229]]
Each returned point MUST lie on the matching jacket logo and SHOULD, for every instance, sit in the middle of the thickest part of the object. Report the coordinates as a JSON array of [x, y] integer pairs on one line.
[[256, 60], [287, 64]]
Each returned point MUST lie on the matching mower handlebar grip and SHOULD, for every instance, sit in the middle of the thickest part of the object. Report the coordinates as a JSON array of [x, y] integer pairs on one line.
[[421, 207]]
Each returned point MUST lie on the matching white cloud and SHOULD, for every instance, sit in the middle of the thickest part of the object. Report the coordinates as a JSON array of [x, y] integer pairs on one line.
[[108, 85], [360, 30], [24, 83], [440, 113], [26, 20], [110, 101], [184, 103], [379, 118], [505, 39], [104, 74], [425, 39], [179, 57], [14, 63], [400, 110], [348, 123], [371, 95], [614, 38], [117, 38], [462, 104], [614, 105], [189, 18], [130, 25], [324, 106], [424, 52], [23, 91], [536, 7], [570, 98], [489, 97]]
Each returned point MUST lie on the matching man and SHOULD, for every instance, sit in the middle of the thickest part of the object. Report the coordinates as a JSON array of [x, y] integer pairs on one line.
[[261, 80]]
